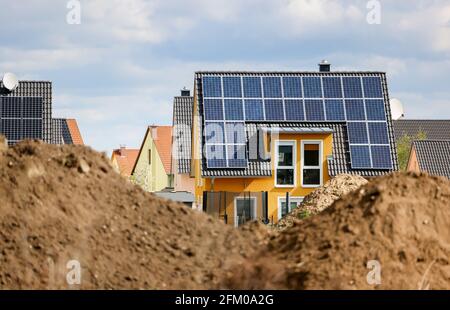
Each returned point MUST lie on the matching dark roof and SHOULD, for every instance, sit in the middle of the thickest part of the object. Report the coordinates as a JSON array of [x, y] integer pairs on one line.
[[433, 156], [340, 163], [182, 122], [434, 129]]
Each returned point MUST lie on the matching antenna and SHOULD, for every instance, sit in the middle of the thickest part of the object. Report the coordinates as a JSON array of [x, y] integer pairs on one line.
[[396, 109], [10, 81]]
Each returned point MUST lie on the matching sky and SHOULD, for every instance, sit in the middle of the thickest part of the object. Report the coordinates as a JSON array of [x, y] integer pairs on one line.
[[118, 69]]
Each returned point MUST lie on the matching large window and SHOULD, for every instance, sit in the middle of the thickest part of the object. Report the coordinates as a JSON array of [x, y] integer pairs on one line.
[[283, 209], [285, 163], [244, 210], [311, 163]]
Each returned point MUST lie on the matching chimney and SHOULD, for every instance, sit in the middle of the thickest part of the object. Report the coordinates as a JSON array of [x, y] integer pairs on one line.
[[324, 66], [122, 150], [185, 92]]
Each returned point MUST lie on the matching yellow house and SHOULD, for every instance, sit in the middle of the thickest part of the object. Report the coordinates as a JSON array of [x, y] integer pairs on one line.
[[152, 169], [262, 138]]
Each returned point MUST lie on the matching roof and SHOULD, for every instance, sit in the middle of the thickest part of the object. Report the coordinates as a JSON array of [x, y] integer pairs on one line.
[[126, 158], [74, 132], [162, 136], [182, 122], [339, 163], [176, 196], [434, 129], [433, 156]]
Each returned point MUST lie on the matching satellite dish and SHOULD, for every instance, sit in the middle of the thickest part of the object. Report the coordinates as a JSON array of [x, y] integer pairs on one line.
[[10, 81], [396, 109]]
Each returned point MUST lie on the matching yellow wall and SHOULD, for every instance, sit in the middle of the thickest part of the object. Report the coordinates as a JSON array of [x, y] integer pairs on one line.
[[267, 184], [151, 177]]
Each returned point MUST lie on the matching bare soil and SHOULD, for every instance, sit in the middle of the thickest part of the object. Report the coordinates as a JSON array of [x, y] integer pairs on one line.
[[62, 203]]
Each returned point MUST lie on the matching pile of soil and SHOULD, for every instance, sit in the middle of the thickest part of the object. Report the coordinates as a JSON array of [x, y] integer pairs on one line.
[[63, 203], [402, 221], [322, 198]]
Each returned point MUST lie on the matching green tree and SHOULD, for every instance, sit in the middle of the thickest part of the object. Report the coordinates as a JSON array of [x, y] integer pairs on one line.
[[404, 146]]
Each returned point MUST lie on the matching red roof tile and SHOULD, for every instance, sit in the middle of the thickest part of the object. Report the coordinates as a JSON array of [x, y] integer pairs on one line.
[[162, 135], [74, 132], [126, 158]]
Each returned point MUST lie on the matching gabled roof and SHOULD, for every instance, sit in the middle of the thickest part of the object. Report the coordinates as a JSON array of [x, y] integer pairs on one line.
[[162, 137], [340, 163], [74, 131], [126, 158], [182, 122], [433, 156], [434, 129]]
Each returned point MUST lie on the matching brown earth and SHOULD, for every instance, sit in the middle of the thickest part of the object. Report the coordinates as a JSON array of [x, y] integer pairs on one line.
[[60, 203], [322, 198], [400, 220], [65, 203]]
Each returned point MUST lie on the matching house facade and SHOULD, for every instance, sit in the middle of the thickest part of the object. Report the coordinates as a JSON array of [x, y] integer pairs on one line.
[[430, 156], [152, 169], [261, 141], [123, 160]]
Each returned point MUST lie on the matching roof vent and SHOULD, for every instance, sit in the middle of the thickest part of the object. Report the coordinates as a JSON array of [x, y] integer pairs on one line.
[[185, 92], [324, 66]]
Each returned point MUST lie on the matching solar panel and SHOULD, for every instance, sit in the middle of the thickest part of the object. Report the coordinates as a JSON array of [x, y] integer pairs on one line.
[[272, 87], [11, 107], [312, 87], [232, 87], [381, 156], [372, 87], [234, 110], [314, 110], [357, 100], [252, 87], [254, 110], [215, 156], [357, 133], [213, 109], [332, 87], [375, 110], [212, 86], [294, 110], [352, 87], [274, 110], [32, 107], [237, 157], [355, 110], [378, 133], [214, 132], [360, 156], [292, 87], [335, 110], [31, 129]]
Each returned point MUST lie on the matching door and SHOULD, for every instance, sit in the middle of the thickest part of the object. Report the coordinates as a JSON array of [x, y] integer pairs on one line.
[[244, 210]]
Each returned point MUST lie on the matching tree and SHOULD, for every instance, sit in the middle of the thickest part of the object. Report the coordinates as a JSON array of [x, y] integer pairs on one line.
[[404, 146]]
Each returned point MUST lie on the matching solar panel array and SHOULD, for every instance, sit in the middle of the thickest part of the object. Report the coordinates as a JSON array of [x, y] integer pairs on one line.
[[230, 101], [21, 118]]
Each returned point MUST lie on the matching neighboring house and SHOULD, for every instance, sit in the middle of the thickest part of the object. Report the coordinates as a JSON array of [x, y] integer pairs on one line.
[[123, 160], [66, 131], [433, 129], [262, 138], [152, 170], [181, 142], [431, 156]]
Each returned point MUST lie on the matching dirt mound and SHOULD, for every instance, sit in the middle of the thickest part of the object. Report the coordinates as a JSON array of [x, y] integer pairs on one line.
[[322, 198], [402, 221], [66, 203]]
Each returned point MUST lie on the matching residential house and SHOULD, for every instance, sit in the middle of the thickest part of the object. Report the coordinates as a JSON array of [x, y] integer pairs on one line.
[[261, 141], [435, 129], [431, 156], [181, 142], [66, 131], [152, 169], [123, 160]]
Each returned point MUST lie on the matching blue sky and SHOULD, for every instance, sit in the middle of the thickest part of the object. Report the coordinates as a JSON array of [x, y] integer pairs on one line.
[[119, 69]]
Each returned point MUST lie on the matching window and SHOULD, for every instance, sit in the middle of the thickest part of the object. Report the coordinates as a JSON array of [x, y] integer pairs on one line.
[[149, 156], [294, 202], [311, 163], [244, 210], [285, 164]]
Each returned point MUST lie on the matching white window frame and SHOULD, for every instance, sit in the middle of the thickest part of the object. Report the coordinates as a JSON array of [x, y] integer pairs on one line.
[[253, 206], [303, 167], [281, 199], [292, 143]]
